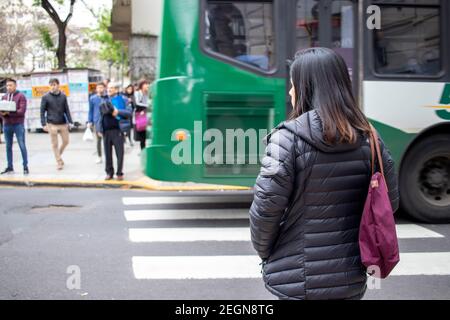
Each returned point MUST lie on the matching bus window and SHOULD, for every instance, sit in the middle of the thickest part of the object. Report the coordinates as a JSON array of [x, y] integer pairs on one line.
[[307, 33], [409, 40], [343, 31], [242, 30]]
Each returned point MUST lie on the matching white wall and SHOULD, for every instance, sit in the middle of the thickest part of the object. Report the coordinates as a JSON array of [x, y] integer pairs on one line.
[[146, 17]]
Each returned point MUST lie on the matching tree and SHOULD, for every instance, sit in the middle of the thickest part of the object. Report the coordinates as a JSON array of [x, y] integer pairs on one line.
[[12, 48], [61, 26], [14, 33], [110, 50]]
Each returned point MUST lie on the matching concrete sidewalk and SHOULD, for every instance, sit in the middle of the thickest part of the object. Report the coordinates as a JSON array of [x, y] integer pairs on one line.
[[81, 169]]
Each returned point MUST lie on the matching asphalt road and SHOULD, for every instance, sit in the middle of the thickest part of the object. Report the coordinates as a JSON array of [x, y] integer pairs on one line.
[[118, 244]]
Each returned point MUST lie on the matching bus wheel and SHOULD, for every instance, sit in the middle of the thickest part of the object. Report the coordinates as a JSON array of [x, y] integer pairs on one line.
[[425, 180]]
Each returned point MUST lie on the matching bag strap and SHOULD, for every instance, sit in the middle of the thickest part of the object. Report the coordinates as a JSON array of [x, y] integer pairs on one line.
[[375, 146], [378, 150], [372, 152]]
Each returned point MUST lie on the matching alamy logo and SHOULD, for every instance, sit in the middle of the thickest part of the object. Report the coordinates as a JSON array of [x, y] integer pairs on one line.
[[374, 19], [73, 282], [373, 282], [232, 147]]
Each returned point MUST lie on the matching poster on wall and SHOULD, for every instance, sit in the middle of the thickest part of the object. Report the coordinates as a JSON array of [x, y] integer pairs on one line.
[[79, 95], [24, 86]]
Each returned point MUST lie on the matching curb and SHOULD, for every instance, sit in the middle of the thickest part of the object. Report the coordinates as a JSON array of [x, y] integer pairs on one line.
[[114, 185]]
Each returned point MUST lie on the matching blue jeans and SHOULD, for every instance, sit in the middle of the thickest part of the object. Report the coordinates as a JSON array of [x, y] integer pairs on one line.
[[19, 130]]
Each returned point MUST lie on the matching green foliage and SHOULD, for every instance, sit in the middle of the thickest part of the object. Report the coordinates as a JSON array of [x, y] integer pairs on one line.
[[46, 38], [39, 2], [110, 50]]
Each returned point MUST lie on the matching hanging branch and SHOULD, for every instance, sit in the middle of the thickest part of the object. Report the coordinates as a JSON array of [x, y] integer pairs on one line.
[[62, 26], [90, 9]]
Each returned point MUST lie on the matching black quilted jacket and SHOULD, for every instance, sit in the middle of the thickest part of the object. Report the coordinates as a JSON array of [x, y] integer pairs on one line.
[[307, 207]]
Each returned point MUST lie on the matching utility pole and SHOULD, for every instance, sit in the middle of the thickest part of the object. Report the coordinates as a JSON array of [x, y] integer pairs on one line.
[[123, 64], [110, 64]]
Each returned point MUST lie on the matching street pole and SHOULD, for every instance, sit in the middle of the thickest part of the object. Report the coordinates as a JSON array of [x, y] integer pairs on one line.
[[123, 64], [110, 64]]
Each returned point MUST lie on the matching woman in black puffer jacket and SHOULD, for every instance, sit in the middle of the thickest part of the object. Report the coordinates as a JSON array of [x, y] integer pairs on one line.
[[310, 194]]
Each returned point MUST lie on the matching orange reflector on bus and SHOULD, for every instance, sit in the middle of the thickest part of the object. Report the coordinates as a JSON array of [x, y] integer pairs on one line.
[[181, 135]]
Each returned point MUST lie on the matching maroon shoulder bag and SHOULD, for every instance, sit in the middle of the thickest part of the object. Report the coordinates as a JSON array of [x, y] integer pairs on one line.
[[377, 235]]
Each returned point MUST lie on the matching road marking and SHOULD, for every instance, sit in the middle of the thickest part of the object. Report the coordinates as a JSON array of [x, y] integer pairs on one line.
[[414, 231], [235, 267], [186, 199], [423, 263], [227, 234], [197, 267], [199, 214], [188, 234]]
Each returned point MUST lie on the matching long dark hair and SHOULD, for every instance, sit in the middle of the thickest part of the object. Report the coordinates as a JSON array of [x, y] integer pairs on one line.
[[126, 90], [322, 82], [142, 83]]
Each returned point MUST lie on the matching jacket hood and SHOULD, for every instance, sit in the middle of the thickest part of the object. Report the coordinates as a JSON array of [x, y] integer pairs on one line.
[[309, 128]]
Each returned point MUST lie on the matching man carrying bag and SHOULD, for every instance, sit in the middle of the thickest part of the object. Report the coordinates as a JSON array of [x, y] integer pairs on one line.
[[13, 124]]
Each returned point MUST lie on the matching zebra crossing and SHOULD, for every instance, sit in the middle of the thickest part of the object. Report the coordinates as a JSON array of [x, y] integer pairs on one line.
[[217, 210]]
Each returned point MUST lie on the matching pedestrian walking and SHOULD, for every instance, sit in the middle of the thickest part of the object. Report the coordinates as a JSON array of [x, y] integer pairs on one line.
[[94, 116], [55, 119], [140, 114], [14, 124], [309, 196], [109, 128], [129, 95]]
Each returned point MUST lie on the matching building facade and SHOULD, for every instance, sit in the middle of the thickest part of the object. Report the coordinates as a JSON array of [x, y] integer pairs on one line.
[[137, 24]]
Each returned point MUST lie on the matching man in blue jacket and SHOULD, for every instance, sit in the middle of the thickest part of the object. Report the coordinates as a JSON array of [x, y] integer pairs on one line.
[[94, 115]]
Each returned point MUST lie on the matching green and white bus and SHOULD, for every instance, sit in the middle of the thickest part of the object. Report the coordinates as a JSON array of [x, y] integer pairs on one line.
[[225, 65]]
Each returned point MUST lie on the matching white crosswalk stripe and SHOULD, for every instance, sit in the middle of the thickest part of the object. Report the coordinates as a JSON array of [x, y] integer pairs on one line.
[[189, 234], [423, 263], [203, 267], [414, 231], [226, 267], [130, 201], [239, 234], [235, 266], [199, 214]]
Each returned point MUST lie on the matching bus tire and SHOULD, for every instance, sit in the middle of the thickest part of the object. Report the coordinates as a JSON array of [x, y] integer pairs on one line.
[[425, 180]]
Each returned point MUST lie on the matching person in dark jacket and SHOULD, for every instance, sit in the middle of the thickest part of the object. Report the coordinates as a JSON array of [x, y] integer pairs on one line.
[[94, 115], [55, 119], [109, 128], [120, 102], [314, 179], [13, 124]]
